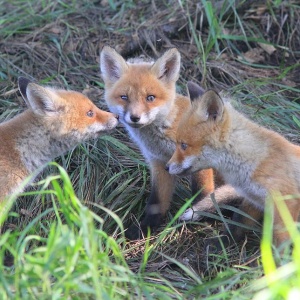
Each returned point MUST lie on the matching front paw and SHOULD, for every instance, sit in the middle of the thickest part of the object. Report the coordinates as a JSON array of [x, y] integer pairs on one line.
[[140, 231], [134, 232], [190, 215]]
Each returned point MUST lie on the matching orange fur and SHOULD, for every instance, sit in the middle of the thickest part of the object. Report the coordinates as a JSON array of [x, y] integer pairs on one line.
[[55, 121], [151, 122], [256, 161]]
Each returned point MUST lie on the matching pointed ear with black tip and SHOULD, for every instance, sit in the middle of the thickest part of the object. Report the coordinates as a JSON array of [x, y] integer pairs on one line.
[[44, 101], [167, 67], [195, 91], [22, 84], [210, 106], [112, 64]]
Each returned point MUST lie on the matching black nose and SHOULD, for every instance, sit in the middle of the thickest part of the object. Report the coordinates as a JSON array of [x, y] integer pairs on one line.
[[167, 167], [135, 119], [117, 117]]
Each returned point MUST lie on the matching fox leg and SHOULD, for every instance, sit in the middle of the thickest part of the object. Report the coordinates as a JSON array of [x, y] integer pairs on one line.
[[254, 215], [206, 180], [203, 181], [162, 188], [233, 232], [225, 194]]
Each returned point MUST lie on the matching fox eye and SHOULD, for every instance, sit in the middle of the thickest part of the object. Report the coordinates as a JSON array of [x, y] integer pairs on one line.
[[90, 113], [183, 146], [124, 97], [150, 98]]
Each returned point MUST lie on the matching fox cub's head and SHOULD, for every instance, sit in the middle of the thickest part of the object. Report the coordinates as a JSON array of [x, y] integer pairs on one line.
[[66, 113], [140, 92], [199, 134]]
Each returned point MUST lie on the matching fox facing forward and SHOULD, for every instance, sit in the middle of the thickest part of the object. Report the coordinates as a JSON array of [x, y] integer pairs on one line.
[[256, 161], [144, 95], [55, 121]]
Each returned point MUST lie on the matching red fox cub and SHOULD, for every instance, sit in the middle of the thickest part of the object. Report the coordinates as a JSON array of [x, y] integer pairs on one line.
[[255, 161], [55, 121], [144, 95]]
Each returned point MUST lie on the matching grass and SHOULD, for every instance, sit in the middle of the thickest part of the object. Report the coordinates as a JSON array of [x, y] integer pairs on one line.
[[76, 255], [63, 238], [73, 257], [282, 282]]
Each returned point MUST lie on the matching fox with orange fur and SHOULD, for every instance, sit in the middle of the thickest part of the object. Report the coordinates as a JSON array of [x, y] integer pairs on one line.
[[143, 94], [55, 121], [256, 161]]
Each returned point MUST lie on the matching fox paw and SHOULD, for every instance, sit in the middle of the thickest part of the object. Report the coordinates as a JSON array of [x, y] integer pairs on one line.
[[134, 232], [149, 224], [190, 215], [138, 231]]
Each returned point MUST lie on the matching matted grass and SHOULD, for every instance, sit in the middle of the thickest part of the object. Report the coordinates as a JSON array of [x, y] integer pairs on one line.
[[63, 239]]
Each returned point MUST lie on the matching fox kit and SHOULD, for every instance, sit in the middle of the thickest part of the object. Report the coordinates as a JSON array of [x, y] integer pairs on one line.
[[144, 95], [55, 121], [255, 161]]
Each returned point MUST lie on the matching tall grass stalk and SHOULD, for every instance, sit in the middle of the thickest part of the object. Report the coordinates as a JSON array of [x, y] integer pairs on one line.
[[282, 282], [72, 256]]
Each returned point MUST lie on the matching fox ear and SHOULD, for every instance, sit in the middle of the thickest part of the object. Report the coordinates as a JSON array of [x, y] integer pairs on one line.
[[22, 84], [195, 91], [43, 101], [112, 64], [167, 67], [210, 106]]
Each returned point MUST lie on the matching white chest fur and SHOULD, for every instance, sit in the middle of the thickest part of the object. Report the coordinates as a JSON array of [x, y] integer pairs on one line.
[[153, 142], [238, 172]]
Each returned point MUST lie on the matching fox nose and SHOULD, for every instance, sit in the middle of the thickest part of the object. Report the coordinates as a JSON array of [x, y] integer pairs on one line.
[[167, 167], [134, 118], [116, 116]]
